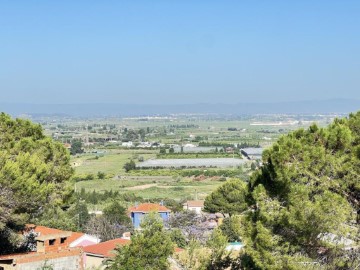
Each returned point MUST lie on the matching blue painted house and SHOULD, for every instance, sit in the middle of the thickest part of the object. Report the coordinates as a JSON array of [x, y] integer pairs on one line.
[[139, 211]]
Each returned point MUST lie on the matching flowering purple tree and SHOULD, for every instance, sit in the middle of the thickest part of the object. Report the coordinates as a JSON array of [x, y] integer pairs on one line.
[[192, 225]]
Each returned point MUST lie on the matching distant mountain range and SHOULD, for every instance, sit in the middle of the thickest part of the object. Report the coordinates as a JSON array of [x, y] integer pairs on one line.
[[102, 109]]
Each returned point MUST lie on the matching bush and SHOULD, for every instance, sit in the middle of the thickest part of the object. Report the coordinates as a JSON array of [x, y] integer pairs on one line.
[[178, 238], [101, 175], [90, 176], [130, 166]]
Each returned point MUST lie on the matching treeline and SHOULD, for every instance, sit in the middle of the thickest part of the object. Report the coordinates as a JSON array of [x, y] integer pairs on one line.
[[231, 173], [95, 197], [211, 173], [91, 176], [219, 154], [225, 145]]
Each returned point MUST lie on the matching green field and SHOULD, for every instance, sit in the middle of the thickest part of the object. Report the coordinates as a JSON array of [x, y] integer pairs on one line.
[[110, 162], [110, 157], [152, 187]]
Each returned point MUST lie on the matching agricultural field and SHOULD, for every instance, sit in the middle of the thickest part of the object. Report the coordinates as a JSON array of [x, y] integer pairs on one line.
[[153, 187], [176, 157], [109, 161]]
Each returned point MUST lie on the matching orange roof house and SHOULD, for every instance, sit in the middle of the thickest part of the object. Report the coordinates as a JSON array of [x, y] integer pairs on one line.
[[75, 239], [95, 255], [105, 249], [137, 212], [149, 207], [52, 247]]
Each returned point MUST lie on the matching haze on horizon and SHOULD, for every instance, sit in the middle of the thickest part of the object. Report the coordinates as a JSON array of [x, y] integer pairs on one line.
[[178, 52]]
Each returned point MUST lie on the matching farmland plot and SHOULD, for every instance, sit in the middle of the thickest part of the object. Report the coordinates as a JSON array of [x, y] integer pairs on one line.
[[192, 162]]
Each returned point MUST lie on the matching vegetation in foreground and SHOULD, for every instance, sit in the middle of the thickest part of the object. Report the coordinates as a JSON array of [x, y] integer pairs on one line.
[[303, 204], [34, 172]]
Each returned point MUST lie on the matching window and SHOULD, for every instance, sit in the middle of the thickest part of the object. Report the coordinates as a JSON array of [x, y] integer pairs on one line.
[[62, 240], [52, 242]]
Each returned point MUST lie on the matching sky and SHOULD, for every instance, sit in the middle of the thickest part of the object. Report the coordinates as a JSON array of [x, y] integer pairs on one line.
[[178, 52]]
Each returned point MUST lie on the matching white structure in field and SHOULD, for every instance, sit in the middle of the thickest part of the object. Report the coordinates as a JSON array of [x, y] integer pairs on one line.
[[196, 206], [127, 144]]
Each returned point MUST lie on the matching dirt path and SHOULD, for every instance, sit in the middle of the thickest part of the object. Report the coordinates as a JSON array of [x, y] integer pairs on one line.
[[141, 187]]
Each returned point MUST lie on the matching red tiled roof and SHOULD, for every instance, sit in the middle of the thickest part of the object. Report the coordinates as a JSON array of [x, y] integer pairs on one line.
[[148, 207], [42, 230], [195, 203], [105, 248], [74, 236]]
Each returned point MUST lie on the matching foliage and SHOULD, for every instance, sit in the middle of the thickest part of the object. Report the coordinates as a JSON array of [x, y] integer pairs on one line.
[[149, 248], [182, 219], [172, 155], [55, 217], [231, 228], [102, 228], [224, 145], [191, 225], [229, 198], [220, 258], [33, 173], [130, 166], [305, 199], [116, 213], [178, 238], [112, 224], [173, 205], [80, 213], [212, 256], [192, 172], [76, 147], [195, 257], [101, 175], [93, 197]]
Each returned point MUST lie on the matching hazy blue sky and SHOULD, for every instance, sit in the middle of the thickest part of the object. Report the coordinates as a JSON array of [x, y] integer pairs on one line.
[[178, 51]]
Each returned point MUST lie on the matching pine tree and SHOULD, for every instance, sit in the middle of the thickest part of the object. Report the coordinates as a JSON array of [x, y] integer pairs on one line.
[[149, 249], [305, 199], [34, 174], [229, 198]]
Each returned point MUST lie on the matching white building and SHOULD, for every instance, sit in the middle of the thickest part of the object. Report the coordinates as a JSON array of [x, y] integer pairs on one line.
[[127, 144], [196, 206]]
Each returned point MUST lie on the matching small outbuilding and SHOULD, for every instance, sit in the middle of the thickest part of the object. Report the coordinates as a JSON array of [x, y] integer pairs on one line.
[[196, 206]]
